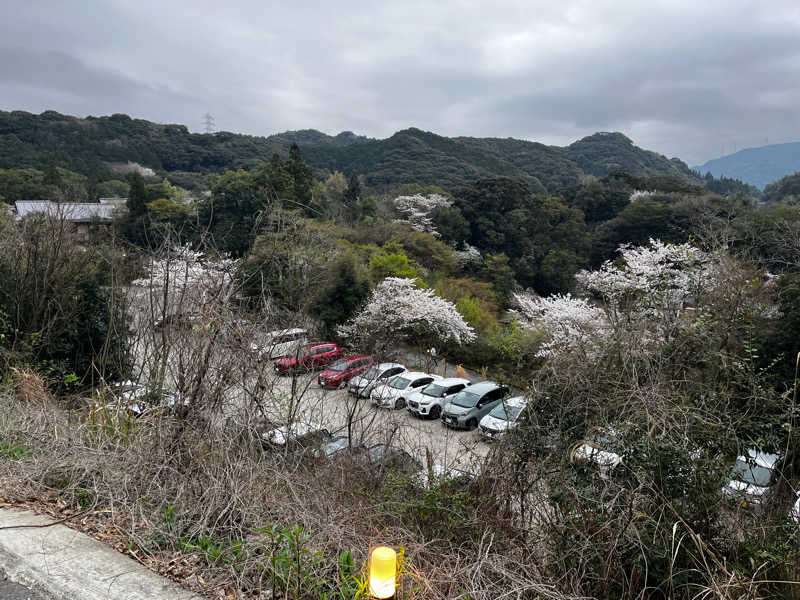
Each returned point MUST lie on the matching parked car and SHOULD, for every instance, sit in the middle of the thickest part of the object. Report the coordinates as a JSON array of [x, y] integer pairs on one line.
[[136, 400], [309, 357], [343, 370], [752, 477], [382, 458], [284, 342], [362, 385], [177, 321], [429, 401], [795, 514], [393, 393], [503, 417], [337, 446], [300, 435], [470, 405], [597, 448]]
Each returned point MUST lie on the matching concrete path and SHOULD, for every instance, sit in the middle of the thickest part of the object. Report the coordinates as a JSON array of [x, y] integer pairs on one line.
[[59, 563]]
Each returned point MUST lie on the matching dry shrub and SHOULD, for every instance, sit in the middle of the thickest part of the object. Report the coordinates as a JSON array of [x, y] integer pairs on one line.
[[30, 388]]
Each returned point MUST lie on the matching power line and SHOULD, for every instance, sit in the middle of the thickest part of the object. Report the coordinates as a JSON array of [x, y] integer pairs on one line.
[[208, 121]]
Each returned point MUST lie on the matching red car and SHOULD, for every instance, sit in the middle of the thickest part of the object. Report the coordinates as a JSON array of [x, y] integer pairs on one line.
[[309, 357], [343, 370]]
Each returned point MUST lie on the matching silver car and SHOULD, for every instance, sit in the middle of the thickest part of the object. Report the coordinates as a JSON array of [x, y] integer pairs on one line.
[[362, 385], [470, 405]]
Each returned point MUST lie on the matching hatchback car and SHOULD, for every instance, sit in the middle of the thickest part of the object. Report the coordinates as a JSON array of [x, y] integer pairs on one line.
[[284, 342], [470, 405], [343, 370], [309, 357], [503, 417], [383, 458], [300, 436], [393, 393], [137, 400], [362, 385], [429, 401], [752, 477]]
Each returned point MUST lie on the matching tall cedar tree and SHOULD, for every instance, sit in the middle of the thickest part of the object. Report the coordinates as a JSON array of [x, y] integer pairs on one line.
[[137, 197], [352, 199], [303, 180]]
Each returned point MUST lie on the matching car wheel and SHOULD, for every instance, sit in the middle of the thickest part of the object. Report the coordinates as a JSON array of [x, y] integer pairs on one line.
[[342, 385], [472, 423], [400, 403], [436, 412]]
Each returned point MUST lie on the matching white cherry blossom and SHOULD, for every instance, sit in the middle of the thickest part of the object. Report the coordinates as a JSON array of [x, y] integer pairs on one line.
[[399, 309]]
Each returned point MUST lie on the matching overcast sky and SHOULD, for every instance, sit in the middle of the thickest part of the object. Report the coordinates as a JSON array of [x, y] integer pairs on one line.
[[684, 78]]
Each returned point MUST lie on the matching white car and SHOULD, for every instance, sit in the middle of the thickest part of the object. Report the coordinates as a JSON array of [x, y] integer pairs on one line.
[[276, 344], [138, 399], [752, 477], [503, 417], [596, 449], [429, 401], [796, 510], [362, 385], [301, 434], [393, 393]]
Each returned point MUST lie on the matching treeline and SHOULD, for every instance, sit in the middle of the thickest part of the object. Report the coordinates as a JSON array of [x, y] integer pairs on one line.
[[96, 146]]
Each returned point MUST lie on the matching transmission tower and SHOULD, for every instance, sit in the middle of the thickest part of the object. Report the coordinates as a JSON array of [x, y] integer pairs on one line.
[[208, 121]]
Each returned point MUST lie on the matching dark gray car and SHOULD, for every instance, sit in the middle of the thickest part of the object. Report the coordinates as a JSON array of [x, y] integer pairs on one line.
[[469, 406]]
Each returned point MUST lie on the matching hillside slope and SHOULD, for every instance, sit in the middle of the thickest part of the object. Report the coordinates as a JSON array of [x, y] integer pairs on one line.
[[88, 145], [756, 166]]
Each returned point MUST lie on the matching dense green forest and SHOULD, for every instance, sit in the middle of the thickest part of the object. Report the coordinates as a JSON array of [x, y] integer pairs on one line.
[[96, 146], [786, 189]]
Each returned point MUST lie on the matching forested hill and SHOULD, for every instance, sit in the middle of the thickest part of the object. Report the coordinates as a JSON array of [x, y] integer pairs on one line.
[[89, 145], [756, 166]]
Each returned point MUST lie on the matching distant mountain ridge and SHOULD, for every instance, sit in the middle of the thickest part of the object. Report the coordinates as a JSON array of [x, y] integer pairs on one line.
[[757, 166], [88, 145]]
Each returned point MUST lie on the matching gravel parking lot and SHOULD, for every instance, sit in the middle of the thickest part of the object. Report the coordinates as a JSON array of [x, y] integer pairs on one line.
[[334, 408]]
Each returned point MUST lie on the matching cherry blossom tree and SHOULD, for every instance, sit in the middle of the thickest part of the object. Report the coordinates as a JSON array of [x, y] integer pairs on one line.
[[416, 210], [398, 310], [572, 324], [640, 298]]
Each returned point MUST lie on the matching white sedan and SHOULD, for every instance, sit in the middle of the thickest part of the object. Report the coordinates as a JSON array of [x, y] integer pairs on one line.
[[395, 392]]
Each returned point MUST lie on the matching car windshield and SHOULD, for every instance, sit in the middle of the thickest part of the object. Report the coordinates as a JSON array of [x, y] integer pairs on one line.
[[376, 453], [399, 383], [434, 390], [371, 373], [466, 399], [506, 412], [751, 474], [339, 365], [335, 446]]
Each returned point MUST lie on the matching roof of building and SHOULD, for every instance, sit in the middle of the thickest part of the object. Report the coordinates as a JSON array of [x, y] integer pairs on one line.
[[77, 212]]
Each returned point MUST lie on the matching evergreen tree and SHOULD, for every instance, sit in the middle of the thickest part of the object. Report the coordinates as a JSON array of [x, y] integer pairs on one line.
[[303, 180], [52, 176], [344, 294], [137, 197], [352, 199]]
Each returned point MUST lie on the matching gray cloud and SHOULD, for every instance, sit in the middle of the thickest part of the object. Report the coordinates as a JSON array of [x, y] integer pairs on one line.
[[679, 78]]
